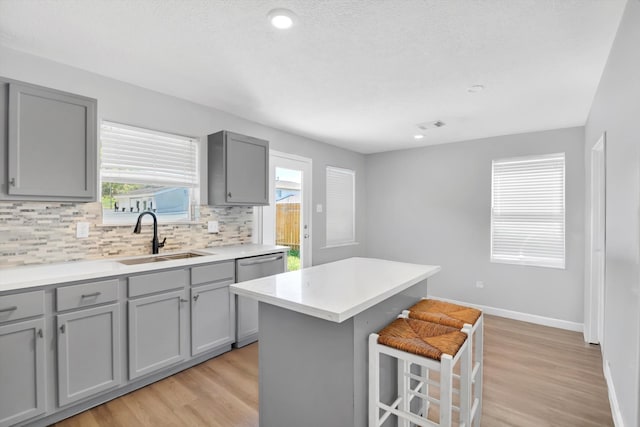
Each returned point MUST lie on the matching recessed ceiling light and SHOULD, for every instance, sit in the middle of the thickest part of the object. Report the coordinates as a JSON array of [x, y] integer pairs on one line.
[[282, 19], [475, 89], [418, 136]]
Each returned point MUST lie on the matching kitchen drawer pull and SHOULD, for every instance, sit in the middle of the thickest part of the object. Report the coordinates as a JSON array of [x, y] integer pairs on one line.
[[8, 309], [195, 297], [95, 294], [184, 300], [40, 333], [261, 261]]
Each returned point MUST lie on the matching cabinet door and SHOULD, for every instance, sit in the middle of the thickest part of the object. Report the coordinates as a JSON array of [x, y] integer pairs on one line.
[[22, 376], [211, 317], [247, 319], [247, 163], [51, 144], [88, 352], [157, 332]]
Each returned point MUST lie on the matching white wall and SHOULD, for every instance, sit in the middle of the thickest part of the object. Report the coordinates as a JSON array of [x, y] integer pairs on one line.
[[432, 205], [616, 111], [125, 103]]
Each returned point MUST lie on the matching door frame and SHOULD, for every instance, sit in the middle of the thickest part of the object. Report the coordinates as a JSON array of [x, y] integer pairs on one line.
[[595, 292], [307, 200]]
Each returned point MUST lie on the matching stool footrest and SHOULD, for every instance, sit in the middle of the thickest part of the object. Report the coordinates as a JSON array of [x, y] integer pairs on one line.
[[423, 422], [474, 373]]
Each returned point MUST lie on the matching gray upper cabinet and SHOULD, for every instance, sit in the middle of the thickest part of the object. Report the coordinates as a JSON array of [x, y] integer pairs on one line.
[[238, 170], [49, 144]]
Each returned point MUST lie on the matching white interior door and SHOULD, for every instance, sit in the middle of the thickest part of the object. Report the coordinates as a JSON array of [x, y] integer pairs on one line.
[[287, 219], [594, 308]]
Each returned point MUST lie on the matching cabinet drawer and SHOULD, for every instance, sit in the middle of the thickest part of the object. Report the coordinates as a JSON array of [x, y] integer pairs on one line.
[[157, 282], [222, 271], [85, 295], [20, 306]]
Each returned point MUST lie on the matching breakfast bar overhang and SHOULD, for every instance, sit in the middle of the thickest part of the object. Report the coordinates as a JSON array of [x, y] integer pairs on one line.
[[314, 325]]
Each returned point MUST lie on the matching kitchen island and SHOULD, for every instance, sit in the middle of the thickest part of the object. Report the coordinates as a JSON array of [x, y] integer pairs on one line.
[[314, 325]]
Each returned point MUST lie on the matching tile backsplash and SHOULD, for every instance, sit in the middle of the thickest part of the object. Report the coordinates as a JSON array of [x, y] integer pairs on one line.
[[45, 232]]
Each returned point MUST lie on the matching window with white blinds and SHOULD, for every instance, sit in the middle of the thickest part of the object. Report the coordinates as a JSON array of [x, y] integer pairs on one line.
[[145, 170], [528, 211], [341, 193], [135, 155]]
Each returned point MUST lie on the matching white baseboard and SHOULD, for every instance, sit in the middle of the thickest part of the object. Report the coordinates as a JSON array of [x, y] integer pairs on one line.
[[613, 399], [525, 317]]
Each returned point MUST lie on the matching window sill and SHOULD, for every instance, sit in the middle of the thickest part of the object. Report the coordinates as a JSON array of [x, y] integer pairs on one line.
[[160, 224], [340, 245]]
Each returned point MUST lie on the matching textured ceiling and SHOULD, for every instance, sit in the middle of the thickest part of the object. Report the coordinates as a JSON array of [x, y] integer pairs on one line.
[[357, 74]]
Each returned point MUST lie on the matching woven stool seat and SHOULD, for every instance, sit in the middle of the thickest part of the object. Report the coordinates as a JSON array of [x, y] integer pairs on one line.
[[425, 339], [444, 313]]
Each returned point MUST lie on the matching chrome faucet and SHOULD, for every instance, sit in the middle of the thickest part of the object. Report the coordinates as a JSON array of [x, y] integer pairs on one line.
[[155, 244]]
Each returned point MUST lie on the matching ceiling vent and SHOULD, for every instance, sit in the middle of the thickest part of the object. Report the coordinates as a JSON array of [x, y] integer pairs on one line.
[[431, 125]]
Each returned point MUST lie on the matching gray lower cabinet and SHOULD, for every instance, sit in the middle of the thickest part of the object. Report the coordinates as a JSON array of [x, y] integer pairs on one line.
[[238, 167], [158, 328], [88, 352], [22, 371], [247, 308], [211, 317], [48, 144]]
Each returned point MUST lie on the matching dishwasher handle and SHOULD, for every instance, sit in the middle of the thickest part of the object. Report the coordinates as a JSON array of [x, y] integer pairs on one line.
[[260, 261]]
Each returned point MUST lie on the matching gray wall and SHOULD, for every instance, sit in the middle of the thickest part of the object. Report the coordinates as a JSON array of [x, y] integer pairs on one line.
[[125, 103], [616, 111], [432, 205]]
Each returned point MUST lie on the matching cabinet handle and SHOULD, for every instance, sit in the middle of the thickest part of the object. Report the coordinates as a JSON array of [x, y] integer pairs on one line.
[[229, 194], [40, 333], [12, 182], [6, 310], [261, 261], [62, 328], [195, 297], [184, 300], [95, 294]]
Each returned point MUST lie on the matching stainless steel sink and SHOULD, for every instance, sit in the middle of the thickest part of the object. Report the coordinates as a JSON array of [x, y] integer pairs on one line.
[[160, 258]]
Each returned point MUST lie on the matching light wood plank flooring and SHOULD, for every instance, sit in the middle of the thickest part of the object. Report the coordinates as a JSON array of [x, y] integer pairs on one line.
[[534, 376]]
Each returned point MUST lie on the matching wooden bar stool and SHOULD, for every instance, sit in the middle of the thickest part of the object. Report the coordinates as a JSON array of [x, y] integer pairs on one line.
[[458, 316], [426, 345]]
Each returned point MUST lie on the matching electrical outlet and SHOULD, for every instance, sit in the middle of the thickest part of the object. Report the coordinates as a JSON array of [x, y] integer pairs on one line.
[[480, 284], [212, 227], [82, 230]]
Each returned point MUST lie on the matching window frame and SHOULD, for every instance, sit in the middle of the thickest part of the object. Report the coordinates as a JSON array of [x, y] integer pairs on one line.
[[353, 240], [192, 214], [530, 261]]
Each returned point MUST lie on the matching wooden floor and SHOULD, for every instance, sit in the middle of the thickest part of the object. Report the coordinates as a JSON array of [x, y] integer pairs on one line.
[[534, 376]]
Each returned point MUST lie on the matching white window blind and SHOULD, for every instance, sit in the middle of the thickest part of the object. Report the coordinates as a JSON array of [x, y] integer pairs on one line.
[[341, 191], [141, 156], [528, 211]]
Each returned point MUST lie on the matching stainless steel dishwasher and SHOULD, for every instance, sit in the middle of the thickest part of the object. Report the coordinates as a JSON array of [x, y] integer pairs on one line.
[[247, 308]]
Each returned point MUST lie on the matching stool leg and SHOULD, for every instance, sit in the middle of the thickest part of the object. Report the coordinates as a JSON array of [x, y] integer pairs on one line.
[[478, 350], [424, 374], [446, 389], [465, 381], [403, 386], [374, 380]]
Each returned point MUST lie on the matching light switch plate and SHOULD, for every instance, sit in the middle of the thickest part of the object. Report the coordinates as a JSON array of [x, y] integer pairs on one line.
[[319, 208], [82, 230], [212, 226]]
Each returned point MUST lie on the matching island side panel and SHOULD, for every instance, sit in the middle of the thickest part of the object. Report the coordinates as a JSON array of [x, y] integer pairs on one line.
[[373, 320], [306, 370]]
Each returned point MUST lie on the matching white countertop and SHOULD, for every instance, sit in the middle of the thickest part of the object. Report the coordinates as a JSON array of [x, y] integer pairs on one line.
[[31, 276], [336, 291]]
